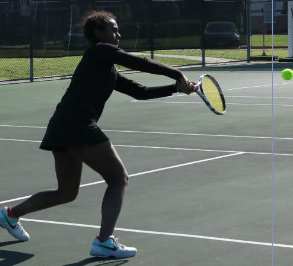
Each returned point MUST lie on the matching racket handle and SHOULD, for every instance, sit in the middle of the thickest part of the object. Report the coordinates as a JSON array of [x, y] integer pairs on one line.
[[196, 87]]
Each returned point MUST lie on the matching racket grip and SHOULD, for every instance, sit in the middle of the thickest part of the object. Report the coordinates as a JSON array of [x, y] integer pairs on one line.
[[196, 87]]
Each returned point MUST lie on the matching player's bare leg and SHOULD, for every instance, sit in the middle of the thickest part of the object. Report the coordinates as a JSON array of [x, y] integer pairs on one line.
[[104, 160], [68, 172]]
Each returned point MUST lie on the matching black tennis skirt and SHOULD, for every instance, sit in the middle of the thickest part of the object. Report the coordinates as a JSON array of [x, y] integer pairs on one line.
[[64, 133]]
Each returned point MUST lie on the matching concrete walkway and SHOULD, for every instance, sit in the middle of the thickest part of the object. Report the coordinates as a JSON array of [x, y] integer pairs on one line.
[[209, 60]]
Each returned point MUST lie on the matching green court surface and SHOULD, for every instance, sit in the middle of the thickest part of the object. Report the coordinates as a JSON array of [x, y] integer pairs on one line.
[[200, 190]]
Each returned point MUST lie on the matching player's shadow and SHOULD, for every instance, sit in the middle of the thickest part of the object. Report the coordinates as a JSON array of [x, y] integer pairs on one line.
[[98, 262], [11, 258]]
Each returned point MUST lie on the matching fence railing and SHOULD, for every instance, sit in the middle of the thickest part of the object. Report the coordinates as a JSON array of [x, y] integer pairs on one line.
[[45, 38], [271, 26]]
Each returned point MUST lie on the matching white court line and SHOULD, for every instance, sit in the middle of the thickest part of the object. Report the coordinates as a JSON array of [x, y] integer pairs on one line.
[[22, 140], [146, 172], [206, 150], [200, 102], [156, 132], [13, 126], [190, 163], [260, 86], [261, 104], [259, 97], [193, 134], [242, 88], [229, 240], [239, 96], [171, 148]]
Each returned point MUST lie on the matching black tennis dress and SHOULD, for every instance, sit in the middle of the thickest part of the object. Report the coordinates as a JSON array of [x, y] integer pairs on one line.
[[74, 122]]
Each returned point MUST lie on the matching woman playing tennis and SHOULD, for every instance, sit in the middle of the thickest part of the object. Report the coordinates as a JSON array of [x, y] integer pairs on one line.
[[74, 137]]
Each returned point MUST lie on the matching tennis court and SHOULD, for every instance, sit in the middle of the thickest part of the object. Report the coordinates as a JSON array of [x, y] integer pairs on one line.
[[200, 190]]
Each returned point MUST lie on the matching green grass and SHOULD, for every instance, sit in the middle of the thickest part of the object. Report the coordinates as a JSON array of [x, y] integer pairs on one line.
[[279, 40], [170, 61], [237, 54], [241, 54], [18, 68], [256, 40], [193, 41]]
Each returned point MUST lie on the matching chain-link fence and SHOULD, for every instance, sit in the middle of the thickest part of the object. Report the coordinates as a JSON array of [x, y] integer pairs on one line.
[[45, 38], [267, 18]]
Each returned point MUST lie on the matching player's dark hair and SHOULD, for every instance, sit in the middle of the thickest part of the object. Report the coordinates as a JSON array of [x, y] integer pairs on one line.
[[96, 20]]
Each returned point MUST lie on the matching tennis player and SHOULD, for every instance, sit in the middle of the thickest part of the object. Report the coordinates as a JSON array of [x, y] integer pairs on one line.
[[74, 137]]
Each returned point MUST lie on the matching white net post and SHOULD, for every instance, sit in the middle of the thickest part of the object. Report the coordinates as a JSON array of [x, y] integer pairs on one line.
[[290, 28]]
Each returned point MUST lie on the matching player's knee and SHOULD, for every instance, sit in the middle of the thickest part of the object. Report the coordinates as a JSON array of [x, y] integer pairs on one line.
[[68, 196], [120, 180], [125, 179]]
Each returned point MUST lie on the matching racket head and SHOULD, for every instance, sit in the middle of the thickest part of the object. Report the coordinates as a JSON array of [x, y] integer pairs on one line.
[[212, 92]]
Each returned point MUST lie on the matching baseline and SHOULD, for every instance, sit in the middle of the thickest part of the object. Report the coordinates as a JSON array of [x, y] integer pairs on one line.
[[161, 133], [240, 104], [229, 240]]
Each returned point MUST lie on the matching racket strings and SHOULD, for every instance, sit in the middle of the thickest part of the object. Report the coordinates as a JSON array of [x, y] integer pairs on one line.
[[212, 94]]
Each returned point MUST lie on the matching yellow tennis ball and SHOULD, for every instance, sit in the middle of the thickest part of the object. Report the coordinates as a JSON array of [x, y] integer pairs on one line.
[[287, 74]]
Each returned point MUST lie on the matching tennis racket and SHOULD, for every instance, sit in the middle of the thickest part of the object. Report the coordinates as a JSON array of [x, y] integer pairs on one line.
[[210, 92]]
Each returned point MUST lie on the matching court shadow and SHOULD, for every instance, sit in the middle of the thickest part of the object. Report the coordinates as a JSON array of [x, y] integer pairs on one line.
[[11, 258], [98, 262], [7, 243]]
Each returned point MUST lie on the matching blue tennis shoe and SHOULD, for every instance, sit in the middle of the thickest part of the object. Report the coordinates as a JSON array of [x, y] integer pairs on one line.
[[13, 226], [111, 248]]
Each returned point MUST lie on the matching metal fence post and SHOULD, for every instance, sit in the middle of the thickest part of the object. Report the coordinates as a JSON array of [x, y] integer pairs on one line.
[[151, 28], [31, 40], [290, 29], [248, 30], [263, 33], [203, 52]]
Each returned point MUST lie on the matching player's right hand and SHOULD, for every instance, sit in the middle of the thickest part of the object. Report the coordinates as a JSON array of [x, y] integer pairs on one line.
[[185, 86]]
